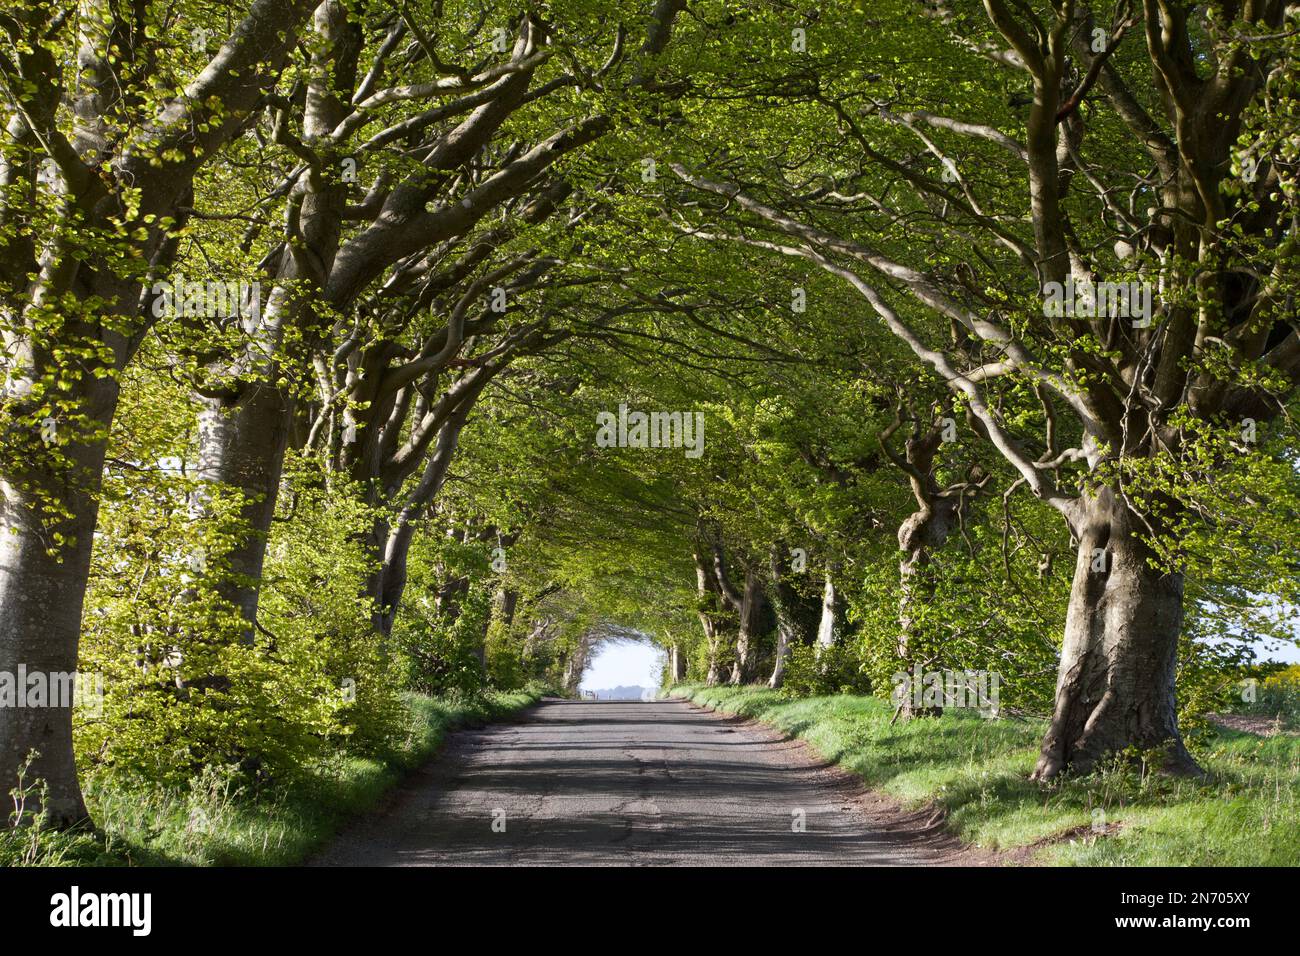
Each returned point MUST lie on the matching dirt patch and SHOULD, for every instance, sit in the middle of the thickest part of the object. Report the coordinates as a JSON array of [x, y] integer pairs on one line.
[[1084, 833], [1259, 726]]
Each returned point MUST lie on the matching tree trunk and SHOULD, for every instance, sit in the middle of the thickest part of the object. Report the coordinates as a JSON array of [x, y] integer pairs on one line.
[[576, 666], [42, 592], [787, 627], [41, 598], [706, 589], [924, 531], [1116, 683], [784, 638], [676, 664], [751, 610], [748, 603], [714, 674], [503, 610], [507, 599], [242, 445], [536, 635], [828, 628], [243, 440], [393, 544]]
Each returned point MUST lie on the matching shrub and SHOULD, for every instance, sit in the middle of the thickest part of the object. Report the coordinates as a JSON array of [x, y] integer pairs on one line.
[[183, 689], [813, 671], [1278, 695], [441, 657]]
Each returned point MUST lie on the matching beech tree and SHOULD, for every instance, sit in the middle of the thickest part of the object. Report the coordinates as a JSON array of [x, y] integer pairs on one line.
[[106, 127], [338, 240], [1134, 163]]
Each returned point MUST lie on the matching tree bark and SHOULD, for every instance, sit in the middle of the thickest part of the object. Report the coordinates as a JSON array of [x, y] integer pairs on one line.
[[392, 543], [750, 611], [537, 635], [707, 591], [676, 664], [41, 598], [925, 531], [787, 626], [507, 600], [242, 446], [1118, 663], [828, 628], [748, 603]]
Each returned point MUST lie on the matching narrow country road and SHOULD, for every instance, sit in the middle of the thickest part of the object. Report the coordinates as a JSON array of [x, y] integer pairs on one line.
[[621, 783]]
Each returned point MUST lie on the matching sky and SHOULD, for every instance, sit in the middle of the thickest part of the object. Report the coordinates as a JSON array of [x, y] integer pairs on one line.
[[1272, 651], [623, 664]]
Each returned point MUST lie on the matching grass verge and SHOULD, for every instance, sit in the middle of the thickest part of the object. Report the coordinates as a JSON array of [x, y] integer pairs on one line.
[[213, 823], [977, 772]]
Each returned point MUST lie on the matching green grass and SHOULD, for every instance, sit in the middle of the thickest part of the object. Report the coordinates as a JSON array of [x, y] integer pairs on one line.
[[977, 771], [212, 824]]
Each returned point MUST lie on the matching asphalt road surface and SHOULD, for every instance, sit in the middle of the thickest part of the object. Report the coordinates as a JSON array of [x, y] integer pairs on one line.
[[594, 783]]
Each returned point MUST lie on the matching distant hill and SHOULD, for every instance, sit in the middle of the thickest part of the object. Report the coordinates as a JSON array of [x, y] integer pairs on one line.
[[620, 693]]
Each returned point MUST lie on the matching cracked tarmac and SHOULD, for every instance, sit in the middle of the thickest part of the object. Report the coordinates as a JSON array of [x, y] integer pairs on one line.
[[635, 783]]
